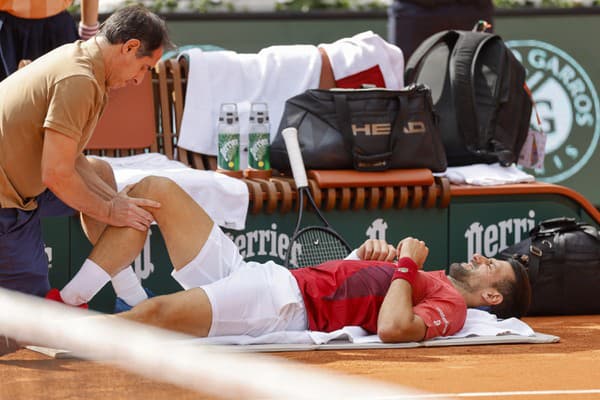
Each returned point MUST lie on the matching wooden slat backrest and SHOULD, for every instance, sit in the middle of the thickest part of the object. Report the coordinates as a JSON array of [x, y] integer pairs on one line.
[[164, 90], [128, 123], [172, 85]]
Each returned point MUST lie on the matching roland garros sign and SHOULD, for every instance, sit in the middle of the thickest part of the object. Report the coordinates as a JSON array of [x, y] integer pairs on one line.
[[567, 104]]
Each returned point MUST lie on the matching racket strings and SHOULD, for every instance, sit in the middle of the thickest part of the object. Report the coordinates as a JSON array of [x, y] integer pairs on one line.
[[317, 246]]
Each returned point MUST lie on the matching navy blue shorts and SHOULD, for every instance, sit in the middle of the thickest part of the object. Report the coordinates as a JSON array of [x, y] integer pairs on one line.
[[22, 38], [23, 261]]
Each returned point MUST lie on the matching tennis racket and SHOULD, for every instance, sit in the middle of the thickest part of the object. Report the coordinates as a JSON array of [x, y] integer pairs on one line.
[[315, 244]]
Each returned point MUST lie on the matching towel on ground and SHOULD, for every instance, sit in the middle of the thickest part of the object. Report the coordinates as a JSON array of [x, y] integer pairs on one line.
[[487, 175], [480, 328], [271, 76], [223, 198], [478, 323]]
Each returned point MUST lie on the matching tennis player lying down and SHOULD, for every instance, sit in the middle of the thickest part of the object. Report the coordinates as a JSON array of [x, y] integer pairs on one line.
[[226, 295]]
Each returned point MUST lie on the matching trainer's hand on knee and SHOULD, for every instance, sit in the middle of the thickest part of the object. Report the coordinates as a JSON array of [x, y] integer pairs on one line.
[[129, 211], [375, 249]]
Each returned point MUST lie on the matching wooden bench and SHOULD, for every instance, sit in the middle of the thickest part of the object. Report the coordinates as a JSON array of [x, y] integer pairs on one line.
[[331, 189], [151, 116]]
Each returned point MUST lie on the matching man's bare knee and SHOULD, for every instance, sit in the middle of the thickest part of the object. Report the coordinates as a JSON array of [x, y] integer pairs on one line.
[[154, 188], [149, 311], [187, 312]]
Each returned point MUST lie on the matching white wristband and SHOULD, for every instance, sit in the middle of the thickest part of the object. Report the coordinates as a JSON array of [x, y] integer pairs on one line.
[[86, 31]]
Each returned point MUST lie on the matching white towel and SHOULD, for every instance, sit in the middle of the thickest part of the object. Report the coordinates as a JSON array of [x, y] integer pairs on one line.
[[225, 199], [272, 76], [351, 56], [483, 323], [478, 323], [487, 174]]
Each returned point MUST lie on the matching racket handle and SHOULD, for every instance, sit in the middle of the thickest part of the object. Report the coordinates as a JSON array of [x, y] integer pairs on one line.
[[290, 136]]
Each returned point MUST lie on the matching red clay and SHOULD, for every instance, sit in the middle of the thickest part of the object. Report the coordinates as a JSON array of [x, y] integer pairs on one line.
[[572, 364]]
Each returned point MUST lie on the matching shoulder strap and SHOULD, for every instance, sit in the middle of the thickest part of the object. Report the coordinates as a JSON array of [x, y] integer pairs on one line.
[[551, 227], [466, 50], [342, 115], [415, 61]]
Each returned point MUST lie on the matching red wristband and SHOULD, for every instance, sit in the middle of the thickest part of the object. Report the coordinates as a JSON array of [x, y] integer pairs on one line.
[[407, 269]]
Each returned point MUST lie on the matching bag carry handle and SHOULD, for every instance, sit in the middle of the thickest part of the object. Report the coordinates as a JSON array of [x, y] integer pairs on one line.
[[342, 112], [562, 224], [417, 58], [554, 225], [549, 231]]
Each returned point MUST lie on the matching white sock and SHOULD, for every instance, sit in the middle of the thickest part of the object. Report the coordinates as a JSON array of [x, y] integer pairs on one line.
[[127, 286], [85, 284]]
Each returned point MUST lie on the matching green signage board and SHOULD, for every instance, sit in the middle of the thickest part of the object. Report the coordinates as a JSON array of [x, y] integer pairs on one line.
[[562, 73], [267, 237], [471, 224], [487, 226]]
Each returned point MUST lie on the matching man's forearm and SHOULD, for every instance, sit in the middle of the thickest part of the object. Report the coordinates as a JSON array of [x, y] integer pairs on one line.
[[71, 188], [93, 181], [397, 321], [89, 12]]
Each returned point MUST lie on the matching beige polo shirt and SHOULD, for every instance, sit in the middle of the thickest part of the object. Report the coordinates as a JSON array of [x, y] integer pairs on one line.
[[64, 90]]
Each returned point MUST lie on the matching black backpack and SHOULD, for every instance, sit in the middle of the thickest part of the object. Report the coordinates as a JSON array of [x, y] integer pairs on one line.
[[478, 90], [564, 267]]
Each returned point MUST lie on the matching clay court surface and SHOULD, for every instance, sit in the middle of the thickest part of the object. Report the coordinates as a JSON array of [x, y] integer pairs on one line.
[[566, 370]]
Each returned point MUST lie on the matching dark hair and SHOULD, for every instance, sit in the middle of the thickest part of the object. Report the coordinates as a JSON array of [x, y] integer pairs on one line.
[[136, 22], [516, 293]]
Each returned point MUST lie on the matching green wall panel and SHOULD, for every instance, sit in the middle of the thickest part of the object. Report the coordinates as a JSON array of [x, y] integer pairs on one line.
[[488, 224], [56, 235], [483, 224], [247, 36], [266, 236], [563, 72]]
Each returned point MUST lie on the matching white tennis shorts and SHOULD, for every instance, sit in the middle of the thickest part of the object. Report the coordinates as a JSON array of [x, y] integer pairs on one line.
[[247, 298]]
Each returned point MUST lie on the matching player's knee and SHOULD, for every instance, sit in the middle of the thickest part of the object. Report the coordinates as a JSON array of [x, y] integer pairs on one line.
[[151, 311], [153, 187]]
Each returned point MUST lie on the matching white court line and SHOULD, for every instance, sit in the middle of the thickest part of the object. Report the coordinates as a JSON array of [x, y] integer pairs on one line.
[[492, 394]]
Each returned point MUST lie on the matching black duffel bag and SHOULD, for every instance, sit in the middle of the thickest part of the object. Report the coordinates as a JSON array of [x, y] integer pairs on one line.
[[564, 267], [364, 129]]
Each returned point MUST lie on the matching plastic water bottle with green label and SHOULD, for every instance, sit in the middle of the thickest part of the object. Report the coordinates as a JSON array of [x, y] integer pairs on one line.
[[228, 128], [259, 138]]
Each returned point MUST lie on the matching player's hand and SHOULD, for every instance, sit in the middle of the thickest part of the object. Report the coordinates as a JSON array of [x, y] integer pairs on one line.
[[375, 249], [128, 211], [413, 248]]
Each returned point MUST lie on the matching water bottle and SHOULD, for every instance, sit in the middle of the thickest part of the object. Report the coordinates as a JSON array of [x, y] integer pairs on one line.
[[259, 137], [228, 128]]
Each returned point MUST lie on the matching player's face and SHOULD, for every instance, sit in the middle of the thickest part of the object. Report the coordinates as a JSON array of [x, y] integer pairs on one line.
[[131, 69], [481, 272]]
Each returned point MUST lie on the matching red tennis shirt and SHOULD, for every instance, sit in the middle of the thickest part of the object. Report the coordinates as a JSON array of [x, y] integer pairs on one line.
[[350, 292]]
